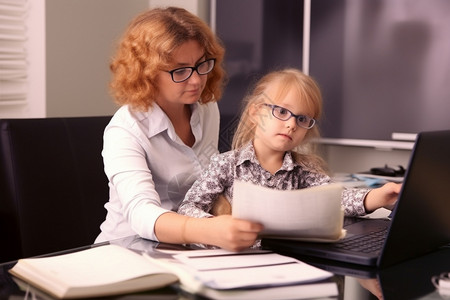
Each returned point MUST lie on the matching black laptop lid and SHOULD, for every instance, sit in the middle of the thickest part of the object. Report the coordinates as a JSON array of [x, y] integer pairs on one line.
[[421, 220]]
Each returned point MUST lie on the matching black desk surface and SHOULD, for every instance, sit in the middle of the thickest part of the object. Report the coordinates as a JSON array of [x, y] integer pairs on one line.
[[408, 280]]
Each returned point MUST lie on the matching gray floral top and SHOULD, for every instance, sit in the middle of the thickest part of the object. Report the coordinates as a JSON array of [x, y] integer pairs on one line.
[[243, 165]]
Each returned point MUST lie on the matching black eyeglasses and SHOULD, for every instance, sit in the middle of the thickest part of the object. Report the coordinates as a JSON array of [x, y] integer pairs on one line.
[[183, 74], [285, 114]]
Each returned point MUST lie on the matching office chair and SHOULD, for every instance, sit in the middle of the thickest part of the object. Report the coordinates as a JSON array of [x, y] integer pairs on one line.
[[52, 184]]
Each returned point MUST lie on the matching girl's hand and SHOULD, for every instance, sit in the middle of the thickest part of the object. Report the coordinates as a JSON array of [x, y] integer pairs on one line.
[[385, 196]]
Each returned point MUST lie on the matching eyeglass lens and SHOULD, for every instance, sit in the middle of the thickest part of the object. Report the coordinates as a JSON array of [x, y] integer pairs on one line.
[[284, 115], [182, 74]]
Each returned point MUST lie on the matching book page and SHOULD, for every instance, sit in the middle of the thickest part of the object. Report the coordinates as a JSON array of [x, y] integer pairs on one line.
[[96, 271], [96, 266], [312, 213]]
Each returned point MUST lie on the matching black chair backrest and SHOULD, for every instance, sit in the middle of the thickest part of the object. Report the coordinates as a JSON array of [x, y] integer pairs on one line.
[[228, 126], [52, 184]]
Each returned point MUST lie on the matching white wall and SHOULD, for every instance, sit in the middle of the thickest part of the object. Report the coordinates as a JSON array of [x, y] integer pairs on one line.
[[35, 106], [353, 159], [36, 55]]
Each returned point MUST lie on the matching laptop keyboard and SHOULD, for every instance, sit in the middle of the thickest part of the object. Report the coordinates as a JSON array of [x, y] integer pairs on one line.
[[372, 242]]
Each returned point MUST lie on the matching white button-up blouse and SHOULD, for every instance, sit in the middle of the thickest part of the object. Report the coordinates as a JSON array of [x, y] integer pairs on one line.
[[149, 168]]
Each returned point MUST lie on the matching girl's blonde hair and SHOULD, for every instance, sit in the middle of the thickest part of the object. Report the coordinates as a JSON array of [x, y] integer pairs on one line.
[[147, 47], [284, 81]]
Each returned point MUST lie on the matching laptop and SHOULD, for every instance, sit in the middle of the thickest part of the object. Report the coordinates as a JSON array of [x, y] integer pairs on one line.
[[419, 223]]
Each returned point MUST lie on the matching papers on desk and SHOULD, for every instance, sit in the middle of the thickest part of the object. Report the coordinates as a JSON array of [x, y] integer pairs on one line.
[[252, 274], [310, 214], [229, 270], [111, 269]]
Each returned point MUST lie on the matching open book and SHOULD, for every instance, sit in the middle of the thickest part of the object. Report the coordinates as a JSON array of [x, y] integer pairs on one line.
[[112, 269], [99, 271], [312, 214]]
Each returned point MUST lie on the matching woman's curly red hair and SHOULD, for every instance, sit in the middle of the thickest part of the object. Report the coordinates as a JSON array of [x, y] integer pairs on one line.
[[147, 47]]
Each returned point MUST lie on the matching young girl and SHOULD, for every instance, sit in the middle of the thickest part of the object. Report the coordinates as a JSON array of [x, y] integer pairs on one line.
[[273, 147]]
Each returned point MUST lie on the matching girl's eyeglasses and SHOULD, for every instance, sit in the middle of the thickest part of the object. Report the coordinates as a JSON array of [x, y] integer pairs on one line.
[[285, 114], [183, 74]]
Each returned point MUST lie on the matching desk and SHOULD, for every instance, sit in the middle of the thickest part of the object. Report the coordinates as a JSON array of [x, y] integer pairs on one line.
[[408, 280]]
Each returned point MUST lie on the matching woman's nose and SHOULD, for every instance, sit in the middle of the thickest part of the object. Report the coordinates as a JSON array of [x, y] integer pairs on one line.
[[195, 77]]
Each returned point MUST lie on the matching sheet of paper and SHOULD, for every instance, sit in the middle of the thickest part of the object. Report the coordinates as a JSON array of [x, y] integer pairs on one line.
[[314, 212], [231, 260], [229, 270]]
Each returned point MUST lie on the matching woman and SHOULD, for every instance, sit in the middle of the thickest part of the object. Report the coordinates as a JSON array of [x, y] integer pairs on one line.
[[167, 77]]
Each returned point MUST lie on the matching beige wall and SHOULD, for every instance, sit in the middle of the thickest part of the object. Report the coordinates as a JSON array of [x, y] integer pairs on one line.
[[80, 38], [68, 49]]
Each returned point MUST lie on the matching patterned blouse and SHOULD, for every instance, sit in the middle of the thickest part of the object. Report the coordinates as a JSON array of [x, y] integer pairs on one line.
[[243, 165]]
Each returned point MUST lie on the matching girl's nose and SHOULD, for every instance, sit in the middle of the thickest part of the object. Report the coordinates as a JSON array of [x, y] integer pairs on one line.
[[291, 123]]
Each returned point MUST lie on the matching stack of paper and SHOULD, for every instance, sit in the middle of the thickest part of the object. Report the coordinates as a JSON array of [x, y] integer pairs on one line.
[[252, 274]]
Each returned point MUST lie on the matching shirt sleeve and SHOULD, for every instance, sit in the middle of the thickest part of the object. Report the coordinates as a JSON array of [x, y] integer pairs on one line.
[[214, 180], [353, 201], [128, 173], [352, 198]]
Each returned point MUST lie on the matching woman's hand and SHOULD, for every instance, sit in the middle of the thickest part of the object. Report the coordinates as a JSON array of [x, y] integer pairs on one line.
[[223, 231], [233, 234]]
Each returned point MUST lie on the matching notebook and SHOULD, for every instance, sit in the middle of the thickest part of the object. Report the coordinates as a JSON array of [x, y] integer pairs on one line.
[[419, 223]]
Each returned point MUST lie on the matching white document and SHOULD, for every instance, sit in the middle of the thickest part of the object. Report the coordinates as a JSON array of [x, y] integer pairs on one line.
[[249, 274], [221, 269], [313, 214], [219, 259]]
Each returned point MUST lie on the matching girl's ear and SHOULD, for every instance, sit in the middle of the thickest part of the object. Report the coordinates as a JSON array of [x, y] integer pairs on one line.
[[253, 113]]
